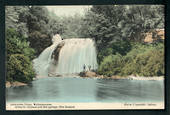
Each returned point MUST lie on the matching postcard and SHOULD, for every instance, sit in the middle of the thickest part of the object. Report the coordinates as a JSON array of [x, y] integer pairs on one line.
[[85, 57]]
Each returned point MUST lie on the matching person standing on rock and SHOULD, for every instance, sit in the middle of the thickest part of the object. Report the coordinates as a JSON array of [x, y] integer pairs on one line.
[[84, 67]]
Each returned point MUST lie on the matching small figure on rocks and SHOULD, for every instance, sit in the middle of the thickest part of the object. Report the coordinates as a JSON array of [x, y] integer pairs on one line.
[[84, 67]]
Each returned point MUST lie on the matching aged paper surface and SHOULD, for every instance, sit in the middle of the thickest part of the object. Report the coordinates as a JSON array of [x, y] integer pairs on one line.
[[106, 57], [82, 106]]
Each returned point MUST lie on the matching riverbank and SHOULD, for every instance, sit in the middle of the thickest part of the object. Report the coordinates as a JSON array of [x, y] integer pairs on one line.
[[14, 84], [128, 77], [90, 74]]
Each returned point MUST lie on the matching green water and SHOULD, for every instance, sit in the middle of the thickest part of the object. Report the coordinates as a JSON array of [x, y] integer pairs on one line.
[[69, 89]]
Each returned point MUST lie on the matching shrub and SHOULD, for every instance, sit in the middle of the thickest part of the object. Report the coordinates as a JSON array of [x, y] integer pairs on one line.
[[19, 68], [19, 56], [121, 47], [142, 60], [111, 65], [155, 64]]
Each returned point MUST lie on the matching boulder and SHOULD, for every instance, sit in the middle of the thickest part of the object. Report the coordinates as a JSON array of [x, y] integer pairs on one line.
[[116, 77], [14, 84], [8, 84], [88, 74], [56, 52], [54, 75]]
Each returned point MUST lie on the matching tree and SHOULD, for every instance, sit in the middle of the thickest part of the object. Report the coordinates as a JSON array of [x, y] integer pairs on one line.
[[13, 19], [18, 58], [40, 33], [112, 24], [71, 26]]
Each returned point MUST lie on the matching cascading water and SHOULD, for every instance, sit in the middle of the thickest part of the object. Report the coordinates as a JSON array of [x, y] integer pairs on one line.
[[75, 56], [42, 63]]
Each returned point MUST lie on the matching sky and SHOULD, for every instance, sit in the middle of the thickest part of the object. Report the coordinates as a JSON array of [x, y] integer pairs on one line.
[[68, 10]]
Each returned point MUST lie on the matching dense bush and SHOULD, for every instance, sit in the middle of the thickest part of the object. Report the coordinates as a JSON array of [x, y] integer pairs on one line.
[[154, 65], [114, 26], [35, 23], [39, 41], [38, 24], [142, 60], [19, 56], [121, 47], [111, 65], [19, 68], [17, 44]]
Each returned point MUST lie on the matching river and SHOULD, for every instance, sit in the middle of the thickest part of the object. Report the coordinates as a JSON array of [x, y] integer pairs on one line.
[[77, 89]]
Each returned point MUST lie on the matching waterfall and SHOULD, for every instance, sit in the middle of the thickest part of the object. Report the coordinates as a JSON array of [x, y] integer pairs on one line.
[[42, 63], [75, 56]]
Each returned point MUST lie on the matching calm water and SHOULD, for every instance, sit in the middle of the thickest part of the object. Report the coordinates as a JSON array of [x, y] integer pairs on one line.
[[69, 89]]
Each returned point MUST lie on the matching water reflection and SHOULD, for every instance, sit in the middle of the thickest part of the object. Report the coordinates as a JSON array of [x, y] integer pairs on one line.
[[129, 91], [77, 90], [69, 89], [42, 90]]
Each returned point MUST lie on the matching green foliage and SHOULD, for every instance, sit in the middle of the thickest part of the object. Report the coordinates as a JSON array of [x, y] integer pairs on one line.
[[142, 60], [40, 32], [57, 26], [14, 19], [35, 23], [70, 26], [19, 56], [111, 65], [17, 44], [19, 68], [148, 63], [39, 41], [114, 26], [121, 47], [155, 64]]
